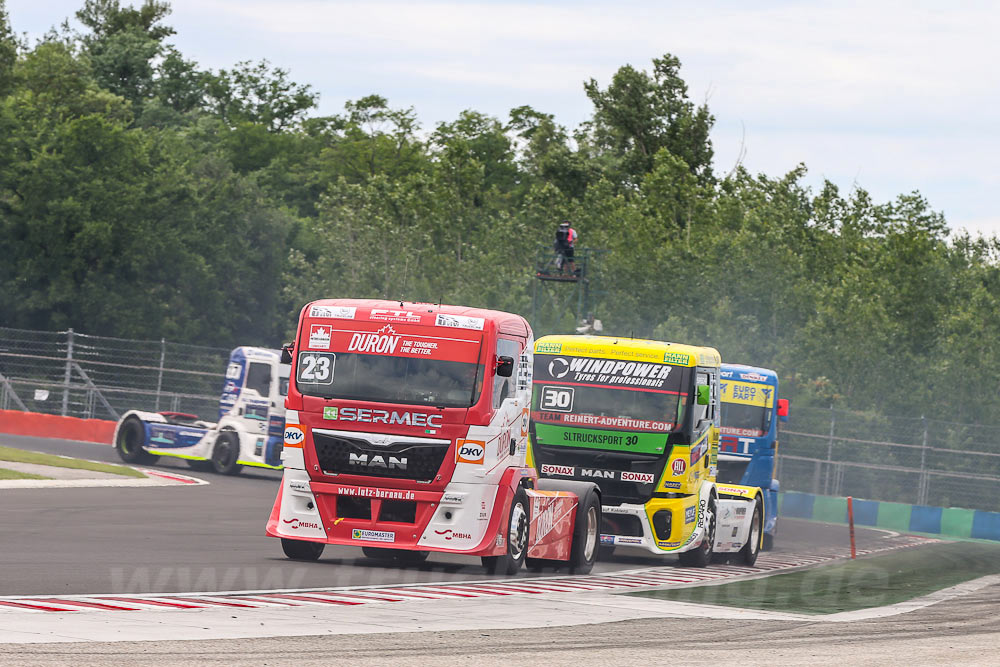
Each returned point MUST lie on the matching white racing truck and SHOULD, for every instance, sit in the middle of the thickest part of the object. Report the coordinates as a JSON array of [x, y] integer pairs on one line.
[[250, 427]]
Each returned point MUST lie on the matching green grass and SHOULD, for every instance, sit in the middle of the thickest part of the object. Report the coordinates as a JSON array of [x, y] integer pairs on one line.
[[859, 584], [13, 474], [22, 456]]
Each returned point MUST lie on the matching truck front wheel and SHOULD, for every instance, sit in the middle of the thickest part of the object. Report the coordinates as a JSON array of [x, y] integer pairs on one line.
[[516, 539], [750, 550], [701, 555], [131, 438], [586, 533], [226, 453], [302, 550]]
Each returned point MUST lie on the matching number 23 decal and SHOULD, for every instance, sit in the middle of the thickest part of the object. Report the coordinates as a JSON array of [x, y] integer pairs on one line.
[[316, 367]]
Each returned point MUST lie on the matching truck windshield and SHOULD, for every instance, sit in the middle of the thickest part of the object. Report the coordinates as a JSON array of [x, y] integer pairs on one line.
[[746, 420], [384, 379], [609, 394], [391, 364]]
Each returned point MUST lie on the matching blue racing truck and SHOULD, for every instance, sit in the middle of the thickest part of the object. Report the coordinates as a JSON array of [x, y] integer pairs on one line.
[[749, 434], [249, 431]]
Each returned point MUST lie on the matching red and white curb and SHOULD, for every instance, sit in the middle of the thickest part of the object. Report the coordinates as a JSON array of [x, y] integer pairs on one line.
[[667, 576], [152, 478]]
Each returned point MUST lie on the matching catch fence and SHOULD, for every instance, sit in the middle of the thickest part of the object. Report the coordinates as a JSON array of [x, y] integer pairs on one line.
[[73, 374], [916, 461]]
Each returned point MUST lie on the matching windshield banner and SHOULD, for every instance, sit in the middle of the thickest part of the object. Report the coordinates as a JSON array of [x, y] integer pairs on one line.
[[393, 340], [747, 393]]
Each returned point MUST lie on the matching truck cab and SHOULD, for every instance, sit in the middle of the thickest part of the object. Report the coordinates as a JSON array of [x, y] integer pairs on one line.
[[750, 414], [249, 430], [640, 418], [406, 434]]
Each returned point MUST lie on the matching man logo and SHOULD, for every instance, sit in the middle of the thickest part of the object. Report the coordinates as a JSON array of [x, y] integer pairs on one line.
[[558, 368], [470, 451]]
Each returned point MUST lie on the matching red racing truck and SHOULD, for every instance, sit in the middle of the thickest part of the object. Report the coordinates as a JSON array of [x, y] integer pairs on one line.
[[406, 433]]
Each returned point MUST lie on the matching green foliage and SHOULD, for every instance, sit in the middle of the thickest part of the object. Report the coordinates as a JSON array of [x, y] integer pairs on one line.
[[143, 197]]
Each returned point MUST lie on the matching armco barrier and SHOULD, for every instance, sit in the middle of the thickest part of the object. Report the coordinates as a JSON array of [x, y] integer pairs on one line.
[[15, 422], [950, 521]]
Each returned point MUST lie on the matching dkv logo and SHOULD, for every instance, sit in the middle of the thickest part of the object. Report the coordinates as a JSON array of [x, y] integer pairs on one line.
[[294, 436], [470, 451], [383, 341]]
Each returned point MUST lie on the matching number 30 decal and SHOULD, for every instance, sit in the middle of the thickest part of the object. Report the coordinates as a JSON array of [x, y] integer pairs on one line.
[[316, 367], [557, 399]]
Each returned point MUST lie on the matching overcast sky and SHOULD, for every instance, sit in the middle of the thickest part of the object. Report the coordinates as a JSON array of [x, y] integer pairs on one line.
[[892, 96]]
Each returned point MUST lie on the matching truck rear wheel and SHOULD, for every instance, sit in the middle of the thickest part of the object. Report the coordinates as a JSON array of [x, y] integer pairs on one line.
[[750, 550], [226, 453], [302, 550], [131, 438], [702, 554], [516, 539]]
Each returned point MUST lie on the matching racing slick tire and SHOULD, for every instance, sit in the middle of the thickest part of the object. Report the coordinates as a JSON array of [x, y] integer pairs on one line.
[[405, 556], [301, 549], [701, 555], [587, 526], [750, 550], [517, 539], [226, 453], [131, 437]]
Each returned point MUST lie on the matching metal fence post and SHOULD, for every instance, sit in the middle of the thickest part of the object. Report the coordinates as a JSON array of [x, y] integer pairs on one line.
[[922, 487], [69, 371], [829, 452], [159, 379]]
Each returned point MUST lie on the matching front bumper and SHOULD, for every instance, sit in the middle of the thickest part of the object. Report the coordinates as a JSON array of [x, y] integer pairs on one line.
[[663, 525]]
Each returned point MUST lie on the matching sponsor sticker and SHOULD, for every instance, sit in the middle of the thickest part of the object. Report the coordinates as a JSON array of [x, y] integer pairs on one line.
[[373, 535], [294, 436], [331, 412], [689, 514], [333, 312], [678, 466], [741, 511], [371, 416], [566, 471], [668, 545], [676, 358], [627, 540], [470, 451], [296, 523], [734, 490], [615, 509], [388, 315], [607, 539], [459, 322], [233, 372], [451, 498], [671, 485], [450, 534], [298, 485], [640, 477], [383, 341], [753, 377], [548, 348], [319, 336]]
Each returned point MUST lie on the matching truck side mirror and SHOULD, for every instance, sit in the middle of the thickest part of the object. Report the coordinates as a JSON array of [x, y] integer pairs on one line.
[[783, 409], [505, 366], [286, 353], [704, 394]]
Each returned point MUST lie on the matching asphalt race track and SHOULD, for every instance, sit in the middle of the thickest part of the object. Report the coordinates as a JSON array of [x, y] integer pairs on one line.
[[211, 538]]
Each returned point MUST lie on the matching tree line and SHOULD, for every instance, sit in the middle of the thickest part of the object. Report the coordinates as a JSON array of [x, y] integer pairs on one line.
[[142, 196]]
